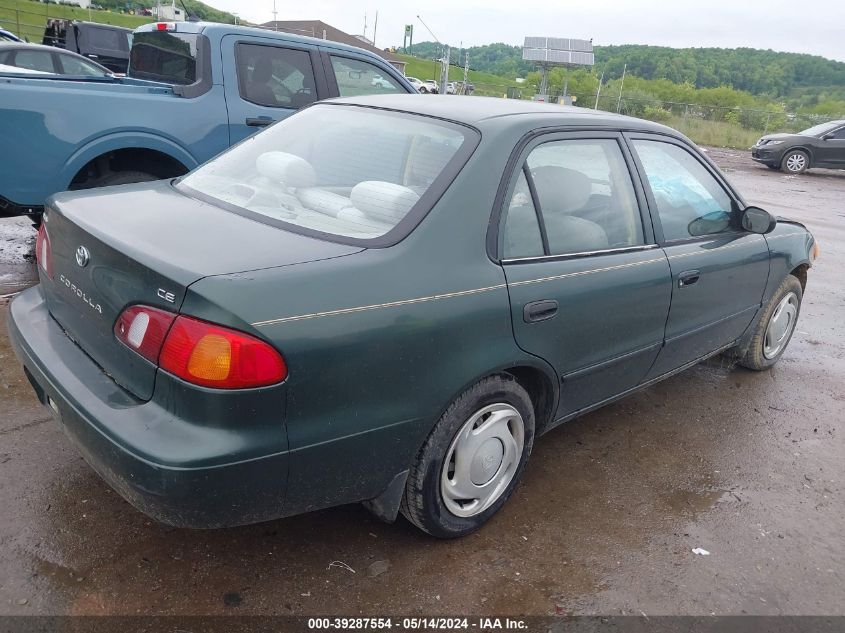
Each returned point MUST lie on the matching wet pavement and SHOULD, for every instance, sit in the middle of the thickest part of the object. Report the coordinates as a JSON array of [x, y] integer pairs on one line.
[[748, 466]]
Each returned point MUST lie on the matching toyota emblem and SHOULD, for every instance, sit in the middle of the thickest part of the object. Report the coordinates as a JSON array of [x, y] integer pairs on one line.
[[82, 256]]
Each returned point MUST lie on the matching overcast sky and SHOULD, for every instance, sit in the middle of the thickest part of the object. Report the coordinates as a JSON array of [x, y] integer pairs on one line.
[[809, 26]]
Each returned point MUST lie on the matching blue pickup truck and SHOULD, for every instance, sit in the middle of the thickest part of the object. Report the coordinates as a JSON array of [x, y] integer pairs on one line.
[[192, 90]]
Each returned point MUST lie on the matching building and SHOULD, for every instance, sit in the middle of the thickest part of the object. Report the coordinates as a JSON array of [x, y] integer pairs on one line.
[[323, 31], [168, 12]]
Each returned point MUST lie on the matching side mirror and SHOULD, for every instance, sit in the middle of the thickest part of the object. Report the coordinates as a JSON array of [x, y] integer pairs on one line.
[[828, 136], [714, 222], [757, 220]]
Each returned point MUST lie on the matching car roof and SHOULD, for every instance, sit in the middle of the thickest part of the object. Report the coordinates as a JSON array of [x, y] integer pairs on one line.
[[479, 111], [218, 29]]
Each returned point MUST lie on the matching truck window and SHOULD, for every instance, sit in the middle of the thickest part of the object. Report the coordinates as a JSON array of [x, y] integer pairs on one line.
[[275, 77], [164, 56], [355, 77]]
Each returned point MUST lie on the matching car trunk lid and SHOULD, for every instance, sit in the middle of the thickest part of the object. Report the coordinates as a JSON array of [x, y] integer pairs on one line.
[[115, 247]]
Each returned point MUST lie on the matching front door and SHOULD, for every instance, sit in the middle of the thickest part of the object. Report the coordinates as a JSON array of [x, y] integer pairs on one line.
[[831, 150], [267, 80], [589, 288], [719, 270]]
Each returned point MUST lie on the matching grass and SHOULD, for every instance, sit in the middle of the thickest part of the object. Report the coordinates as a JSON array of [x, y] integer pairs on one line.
[[26, 18], [715, 133]]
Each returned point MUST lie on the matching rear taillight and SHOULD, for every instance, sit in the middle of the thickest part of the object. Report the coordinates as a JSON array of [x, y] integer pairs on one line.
[[199, 352], [43, 251], [143, 329]]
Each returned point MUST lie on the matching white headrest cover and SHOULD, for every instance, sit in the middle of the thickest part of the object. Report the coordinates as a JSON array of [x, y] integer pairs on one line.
[[383, 201], [323, 201], [288, 169]]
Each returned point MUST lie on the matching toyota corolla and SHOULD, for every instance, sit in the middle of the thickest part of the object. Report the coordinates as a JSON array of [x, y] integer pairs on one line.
[[386, 300]]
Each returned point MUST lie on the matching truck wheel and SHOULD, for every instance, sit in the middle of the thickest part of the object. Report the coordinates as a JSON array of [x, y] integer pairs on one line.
[[121, 178], [775, 327], [795, 162], [472, 460]]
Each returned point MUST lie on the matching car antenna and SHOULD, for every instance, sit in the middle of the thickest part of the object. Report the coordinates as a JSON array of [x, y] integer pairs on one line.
[[191, 17]]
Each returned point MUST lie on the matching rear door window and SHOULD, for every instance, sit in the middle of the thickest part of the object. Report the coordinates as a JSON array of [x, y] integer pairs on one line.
[[275, 76], [356, 77], [35, 60]]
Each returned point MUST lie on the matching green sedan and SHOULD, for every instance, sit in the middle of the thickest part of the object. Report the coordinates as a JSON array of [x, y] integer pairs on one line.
[[387, 300]]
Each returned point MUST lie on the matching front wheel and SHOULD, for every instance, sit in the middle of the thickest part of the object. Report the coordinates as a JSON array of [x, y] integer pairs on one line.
[[795, 162], [472, 460], [776, 326]]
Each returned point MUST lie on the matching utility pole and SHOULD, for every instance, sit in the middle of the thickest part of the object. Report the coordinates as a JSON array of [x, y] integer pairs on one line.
[[443, 71], [275, 18], [375, 28], [598, 92], [466, 73], [621, 85]]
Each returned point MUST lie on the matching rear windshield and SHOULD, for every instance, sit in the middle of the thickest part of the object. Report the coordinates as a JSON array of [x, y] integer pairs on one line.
[[164, 56], [342, 171]]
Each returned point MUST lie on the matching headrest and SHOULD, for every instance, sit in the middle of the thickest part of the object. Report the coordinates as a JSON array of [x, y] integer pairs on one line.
[[288, 169], [561, 190], [383, 201], [323, 201]]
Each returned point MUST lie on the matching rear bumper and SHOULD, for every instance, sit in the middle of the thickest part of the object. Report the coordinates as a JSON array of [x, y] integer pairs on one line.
[[178, 472]]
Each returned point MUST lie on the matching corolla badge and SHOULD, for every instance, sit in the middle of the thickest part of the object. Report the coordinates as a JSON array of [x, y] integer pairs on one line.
[[82, 256]]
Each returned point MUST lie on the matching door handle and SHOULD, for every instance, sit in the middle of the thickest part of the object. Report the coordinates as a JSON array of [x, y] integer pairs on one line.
[[260, 121], [539, 310], [688, 278]]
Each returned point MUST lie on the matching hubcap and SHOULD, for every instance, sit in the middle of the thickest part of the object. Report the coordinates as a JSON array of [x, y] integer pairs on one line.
[[482, 459], [780, 326], [796, 162]]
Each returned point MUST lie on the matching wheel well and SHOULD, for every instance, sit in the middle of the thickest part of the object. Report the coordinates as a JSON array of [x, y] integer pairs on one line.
[[804, 150], [800, 273], [149, 161], [540, 388]]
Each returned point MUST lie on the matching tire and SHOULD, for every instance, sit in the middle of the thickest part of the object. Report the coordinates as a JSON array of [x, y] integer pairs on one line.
[[772, 334], [483, 422], [423, 90], [121, 178], [795, 161]]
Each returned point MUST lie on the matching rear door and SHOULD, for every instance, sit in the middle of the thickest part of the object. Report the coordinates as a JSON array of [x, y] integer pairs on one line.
[[266, 80], [589, 288], [719, 270]]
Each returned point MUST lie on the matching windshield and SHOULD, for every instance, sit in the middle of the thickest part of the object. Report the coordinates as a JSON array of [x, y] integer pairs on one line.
[[821, 128], [334, 170], [164, 56]]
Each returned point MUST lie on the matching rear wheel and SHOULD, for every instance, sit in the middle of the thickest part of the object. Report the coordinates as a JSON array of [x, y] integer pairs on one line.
[[795, 161], [472, 460], [776, 326]]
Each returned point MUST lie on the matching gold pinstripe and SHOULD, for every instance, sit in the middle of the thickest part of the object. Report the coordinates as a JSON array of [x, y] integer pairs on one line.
[[447, 295]]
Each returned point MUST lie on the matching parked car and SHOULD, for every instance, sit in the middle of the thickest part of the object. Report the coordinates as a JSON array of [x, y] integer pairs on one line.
[[48, 60], [106, 44], [430, 86], [416, 83], [380, 82], [393, 322], [819, 146], [451, 88], [193, 89], [8, 36]]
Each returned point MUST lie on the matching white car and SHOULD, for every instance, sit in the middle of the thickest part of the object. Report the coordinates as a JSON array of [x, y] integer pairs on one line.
[[380, 82], [425, 87]]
